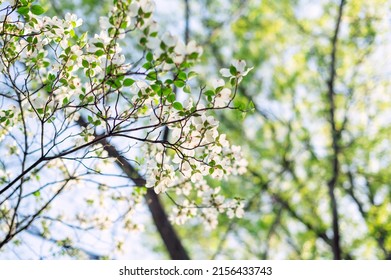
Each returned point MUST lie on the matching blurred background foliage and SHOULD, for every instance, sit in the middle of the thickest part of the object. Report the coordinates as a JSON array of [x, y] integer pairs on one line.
[[314, 125]]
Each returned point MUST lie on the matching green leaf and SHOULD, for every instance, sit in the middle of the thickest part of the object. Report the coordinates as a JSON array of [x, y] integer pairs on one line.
[[171, 98], [179, 83], [128, 82], [147, 65], [251, 107], [90, 119], [143, 41], [193, 56], [37, 193], [97, 122], [209, 93], [152, 76], [51, 77], [109, 69], [168, 81], [167, 91], [117, 83], [149, 57], [72, 33], [233, 70], [99, 53], [37, 10], [191, 74], [155, 87], [123, 25], [65, 101], [218, 89], [187, 89], [49, 87], [243, 115], [182, 76], [85, 63], [23, 10], [178, 106], [83, 36], [99, 45]]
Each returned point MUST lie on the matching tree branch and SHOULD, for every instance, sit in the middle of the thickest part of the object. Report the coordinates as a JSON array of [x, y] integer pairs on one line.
[[335, 134]]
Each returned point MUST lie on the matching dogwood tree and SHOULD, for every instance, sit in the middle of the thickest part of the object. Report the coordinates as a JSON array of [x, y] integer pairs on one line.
[[67, 96]]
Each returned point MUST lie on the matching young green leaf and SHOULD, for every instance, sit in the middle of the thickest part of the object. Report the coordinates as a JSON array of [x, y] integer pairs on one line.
[[233, 70], [149, 57], [85, 63], [182, 76], [179, 83], [23, 10], [171, 98], [37, 10], [128, 82], [99, 53], [178, 106]]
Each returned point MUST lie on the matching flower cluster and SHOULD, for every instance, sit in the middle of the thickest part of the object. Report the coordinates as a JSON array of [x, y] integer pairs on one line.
[[237, 70]]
